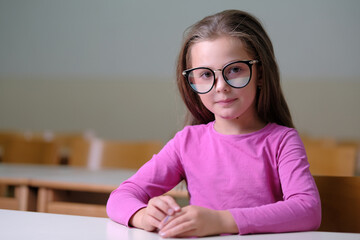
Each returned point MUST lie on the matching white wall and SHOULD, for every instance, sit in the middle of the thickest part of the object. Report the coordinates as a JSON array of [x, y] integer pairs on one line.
[[115, 38], [72, 55]]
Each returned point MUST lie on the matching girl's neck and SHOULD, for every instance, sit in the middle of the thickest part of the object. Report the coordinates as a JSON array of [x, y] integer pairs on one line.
[[238, 126]]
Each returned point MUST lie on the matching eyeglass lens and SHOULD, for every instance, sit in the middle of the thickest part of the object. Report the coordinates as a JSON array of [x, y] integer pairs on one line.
[[236, 75]]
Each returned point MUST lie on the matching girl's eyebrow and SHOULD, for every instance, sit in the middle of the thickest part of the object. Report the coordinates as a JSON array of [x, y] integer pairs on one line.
[[234, 61], [206, 66]]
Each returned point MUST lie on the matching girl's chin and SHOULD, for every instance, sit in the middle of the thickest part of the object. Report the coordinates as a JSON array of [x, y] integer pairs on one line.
[[228, 117]]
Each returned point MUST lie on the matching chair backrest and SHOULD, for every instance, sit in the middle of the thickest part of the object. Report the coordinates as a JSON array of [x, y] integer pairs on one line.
[[45, 147], [73, 149], [5, 138], [354, 144], [340, 200], [330, 157], [332, 160], [21, 149], [125, 154], [318, 141]]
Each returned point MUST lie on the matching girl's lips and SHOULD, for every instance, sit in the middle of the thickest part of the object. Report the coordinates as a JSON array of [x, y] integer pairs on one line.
[[226, 101]]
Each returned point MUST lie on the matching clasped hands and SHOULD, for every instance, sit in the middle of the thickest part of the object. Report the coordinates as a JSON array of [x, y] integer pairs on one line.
[[164, 215]]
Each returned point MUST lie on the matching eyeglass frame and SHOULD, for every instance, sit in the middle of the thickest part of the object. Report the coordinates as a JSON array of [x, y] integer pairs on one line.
[[249, 63]]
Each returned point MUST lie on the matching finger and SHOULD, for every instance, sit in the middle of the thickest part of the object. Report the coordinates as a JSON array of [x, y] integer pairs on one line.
[[162, 206], [172, 204], [156, 212], [164, 221], [172, 221], [168, 219], [162, 203], [183, 229], [151, 223]]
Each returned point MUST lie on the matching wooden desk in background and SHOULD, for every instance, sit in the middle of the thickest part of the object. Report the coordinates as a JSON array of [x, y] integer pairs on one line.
[[57, 189], [19, 225], [62, 189], [24, 197]]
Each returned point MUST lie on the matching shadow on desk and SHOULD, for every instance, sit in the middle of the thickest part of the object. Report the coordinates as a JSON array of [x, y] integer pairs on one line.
[[340, 200]]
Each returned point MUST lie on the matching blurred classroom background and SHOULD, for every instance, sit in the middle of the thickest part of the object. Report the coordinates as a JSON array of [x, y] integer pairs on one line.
[[108, 67], [80, 77]]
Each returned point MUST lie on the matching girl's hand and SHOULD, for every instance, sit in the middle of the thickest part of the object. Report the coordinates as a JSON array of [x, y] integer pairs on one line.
[[198, 221], [158, 208]]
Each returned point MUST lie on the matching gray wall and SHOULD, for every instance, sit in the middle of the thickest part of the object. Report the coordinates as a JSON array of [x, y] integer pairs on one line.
[[108, 66]]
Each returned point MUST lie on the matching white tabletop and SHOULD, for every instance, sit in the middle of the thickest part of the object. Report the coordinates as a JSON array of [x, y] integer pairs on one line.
[[110, 177], [18, 225]]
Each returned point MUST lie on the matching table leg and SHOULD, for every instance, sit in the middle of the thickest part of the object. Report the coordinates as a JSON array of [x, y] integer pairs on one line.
[[42, 200], [22, 195]]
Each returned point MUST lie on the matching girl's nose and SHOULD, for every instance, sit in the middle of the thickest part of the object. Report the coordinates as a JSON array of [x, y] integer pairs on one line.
[[220, 83]]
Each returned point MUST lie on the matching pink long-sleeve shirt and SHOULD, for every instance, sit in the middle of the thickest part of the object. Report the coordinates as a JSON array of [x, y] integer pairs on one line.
[[262, 178]]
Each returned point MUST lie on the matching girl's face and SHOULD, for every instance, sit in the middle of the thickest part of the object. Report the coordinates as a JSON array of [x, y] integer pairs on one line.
[[226, 102]]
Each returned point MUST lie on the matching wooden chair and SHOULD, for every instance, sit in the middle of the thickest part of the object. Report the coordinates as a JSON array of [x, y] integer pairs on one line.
[[73, 148], [353, 144], [337, 160], [96, 153], [2, 146], [132, 155], [340, 200], [328, 156], [45, 147], [318, 141], [21, 149], [5, 138]]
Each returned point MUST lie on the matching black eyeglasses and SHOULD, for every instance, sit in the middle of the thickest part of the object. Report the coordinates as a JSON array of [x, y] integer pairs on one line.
[[236, 74]]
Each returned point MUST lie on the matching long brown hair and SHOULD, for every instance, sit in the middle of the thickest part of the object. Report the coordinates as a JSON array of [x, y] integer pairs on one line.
[[271, 104]]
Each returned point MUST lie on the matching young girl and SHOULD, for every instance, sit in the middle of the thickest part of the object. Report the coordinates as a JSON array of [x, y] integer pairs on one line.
[[245, 166]]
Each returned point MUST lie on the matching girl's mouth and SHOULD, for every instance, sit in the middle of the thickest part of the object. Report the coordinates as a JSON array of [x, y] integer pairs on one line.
[[227, 101]]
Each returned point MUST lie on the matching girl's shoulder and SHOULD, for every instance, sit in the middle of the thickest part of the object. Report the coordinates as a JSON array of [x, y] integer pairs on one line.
[[190, 135], [280, 134], [277, 129], [192, 130]]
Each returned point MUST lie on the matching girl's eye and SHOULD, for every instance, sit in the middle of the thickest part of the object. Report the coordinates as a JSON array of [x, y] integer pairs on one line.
[[235, 70], [206, 74]]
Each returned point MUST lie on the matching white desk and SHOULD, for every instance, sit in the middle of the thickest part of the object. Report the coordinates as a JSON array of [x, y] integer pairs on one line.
[[20, 225]]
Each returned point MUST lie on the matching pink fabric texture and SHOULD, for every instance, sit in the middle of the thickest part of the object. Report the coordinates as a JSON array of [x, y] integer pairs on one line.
[[262, 178]]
